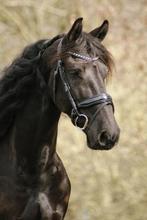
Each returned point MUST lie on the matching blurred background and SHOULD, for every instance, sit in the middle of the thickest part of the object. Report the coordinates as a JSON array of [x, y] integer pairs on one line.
[[106, 185]]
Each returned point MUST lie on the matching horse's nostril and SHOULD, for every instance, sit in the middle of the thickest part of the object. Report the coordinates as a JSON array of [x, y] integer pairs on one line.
[[103, 138]]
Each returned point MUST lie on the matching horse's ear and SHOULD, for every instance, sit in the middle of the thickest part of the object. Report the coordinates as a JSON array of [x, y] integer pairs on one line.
[[101, 31], [75, 31]]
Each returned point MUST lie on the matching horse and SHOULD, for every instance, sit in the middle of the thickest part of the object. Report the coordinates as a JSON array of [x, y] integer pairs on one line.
[[64, 74]]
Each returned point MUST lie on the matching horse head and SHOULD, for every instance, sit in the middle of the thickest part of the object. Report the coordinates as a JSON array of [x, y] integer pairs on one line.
[[79, 66]]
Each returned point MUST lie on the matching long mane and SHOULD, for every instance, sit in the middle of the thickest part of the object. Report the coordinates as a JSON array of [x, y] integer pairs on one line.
[[95, 48], [17, 82], [18, 78]]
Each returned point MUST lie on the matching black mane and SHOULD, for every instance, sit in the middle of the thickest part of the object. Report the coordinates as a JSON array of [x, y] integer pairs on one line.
[[17, 81], [95, 48]]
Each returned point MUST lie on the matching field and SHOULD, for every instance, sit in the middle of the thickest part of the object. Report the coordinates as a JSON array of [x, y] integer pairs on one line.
[[108, 185]]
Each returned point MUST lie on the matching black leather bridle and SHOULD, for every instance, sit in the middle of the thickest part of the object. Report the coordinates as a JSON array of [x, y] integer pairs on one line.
[[78, 118]]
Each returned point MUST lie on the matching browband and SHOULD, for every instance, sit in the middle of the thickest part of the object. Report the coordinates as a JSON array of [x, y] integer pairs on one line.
[[83, 57]]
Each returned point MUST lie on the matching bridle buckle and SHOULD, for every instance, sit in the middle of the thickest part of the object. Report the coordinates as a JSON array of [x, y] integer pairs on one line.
[[81, 117]]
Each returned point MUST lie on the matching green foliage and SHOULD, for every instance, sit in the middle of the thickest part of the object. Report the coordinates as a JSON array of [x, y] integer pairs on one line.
[[105, 185]]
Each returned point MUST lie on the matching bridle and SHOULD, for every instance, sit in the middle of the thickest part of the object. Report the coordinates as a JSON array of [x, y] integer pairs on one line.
[[76, 116]]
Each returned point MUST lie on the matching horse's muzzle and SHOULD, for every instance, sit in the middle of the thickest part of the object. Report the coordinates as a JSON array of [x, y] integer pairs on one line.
[[105, 140]]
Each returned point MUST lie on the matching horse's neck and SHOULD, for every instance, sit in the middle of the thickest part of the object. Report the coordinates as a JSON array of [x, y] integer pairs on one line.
[[35, 127]]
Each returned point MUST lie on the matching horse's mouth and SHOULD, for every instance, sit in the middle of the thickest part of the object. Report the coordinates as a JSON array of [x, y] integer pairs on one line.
[[97, 146]]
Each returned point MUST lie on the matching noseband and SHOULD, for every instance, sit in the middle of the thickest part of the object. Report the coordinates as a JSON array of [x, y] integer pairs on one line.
[[76, 116]]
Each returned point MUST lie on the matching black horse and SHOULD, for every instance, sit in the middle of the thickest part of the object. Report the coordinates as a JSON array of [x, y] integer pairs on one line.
[[65, 74]]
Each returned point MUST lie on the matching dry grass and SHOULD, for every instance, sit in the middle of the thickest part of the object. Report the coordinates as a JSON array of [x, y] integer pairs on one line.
[[105, 185]]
